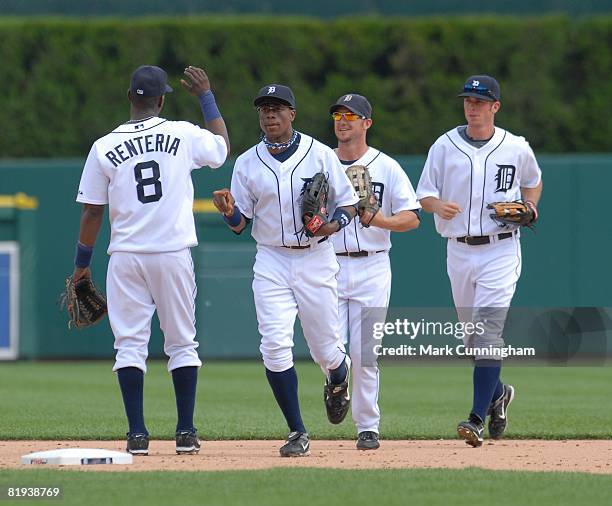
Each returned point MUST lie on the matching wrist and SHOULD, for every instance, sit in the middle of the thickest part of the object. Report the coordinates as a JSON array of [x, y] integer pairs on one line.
[[234, 219], [208, 105], [534, 208], [379, 220], [335, 226], [342, 218], [83, 254]]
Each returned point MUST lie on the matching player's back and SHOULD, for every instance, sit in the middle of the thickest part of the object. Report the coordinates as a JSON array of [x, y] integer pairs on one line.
[[142, 170]]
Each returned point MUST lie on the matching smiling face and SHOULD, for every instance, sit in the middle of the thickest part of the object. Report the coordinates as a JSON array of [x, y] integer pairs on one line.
[[349, 131], [480, 113], [275, 118]]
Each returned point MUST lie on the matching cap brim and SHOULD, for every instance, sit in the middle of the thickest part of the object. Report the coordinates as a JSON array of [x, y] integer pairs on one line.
[[476, 95], [168, 89], [266, 98]]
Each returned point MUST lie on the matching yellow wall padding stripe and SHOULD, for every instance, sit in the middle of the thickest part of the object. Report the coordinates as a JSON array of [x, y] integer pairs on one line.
[[204, 206], [19, 201], [23, 201]]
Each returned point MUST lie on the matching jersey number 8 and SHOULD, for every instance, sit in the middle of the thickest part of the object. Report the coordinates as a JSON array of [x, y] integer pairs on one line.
[[148, 181]]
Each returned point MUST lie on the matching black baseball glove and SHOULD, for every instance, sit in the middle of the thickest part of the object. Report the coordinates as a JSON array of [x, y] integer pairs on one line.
[[86, 306], [314, 204]]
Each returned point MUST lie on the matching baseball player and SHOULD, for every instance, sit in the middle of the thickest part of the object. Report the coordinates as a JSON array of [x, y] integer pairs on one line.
[[363, 252], [294, 274], [142, 170], [467, 168]]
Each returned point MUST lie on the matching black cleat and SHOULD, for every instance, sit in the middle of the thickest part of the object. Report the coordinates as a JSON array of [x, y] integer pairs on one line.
[[368, 440], [137, 444], [471, 431], [297, 445], [498, 421], [187, 442], [337, 399]]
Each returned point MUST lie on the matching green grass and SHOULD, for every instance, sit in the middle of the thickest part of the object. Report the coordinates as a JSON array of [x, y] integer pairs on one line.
[[81, 400], [318, 486]]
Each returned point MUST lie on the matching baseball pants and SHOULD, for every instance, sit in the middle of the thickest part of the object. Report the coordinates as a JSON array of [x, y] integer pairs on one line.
[[483, 280], [137, 284], [297, 282], [362, 282]]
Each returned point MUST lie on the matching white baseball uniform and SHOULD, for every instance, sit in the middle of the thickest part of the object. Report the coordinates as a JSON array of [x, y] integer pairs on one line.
[[142, 170], [290, 281], [366, 281], [485, 275]]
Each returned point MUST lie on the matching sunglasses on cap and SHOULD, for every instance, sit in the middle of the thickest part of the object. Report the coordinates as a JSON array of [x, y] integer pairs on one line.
[[480, 90], [348, 116]]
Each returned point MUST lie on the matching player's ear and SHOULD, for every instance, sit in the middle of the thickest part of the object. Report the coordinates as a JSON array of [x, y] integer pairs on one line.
[[496, 106], [292, 114], [367, 123], [160, 102]]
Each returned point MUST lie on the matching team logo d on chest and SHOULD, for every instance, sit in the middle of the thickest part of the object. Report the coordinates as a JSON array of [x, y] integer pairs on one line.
[[504, 177], [379, 190]]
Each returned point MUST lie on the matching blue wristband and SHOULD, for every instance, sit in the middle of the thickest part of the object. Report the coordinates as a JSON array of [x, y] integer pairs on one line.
[[235, 219], [343, 217], [210, 111], [83, 255]]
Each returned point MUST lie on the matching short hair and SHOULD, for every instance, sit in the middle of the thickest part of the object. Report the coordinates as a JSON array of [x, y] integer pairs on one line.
[[144, 103]]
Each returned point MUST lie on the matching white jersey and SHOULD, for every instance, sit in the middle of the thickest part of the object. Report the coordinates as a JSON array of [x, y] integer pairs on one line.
[[394, 192], [474, 177], [269, 192], [142, 170]]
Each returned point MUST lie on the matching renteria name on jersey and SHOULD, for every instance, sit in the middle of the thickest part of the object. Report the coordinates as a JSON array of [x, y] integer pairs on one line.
[[142, 144]]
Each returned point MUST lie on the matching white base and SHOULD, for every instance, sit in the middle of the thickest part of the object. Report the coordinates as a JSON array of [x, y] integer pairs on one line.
[[77, 457]]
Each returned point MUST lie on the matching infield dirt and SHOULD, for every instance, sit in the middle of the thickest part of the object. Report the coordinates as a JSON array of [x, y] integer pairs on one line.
[[591, 456]]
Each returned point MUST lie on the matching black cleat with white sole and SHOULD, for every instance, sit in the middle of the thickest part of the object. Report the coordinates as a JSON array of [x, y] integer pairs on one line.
[[187, 442], [498, 421], [297, 445]]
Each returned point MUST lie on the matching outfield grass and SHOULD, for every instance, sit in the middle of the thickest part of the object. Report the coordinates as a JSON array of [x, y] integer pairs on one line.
[[81, 400], [280, 487]]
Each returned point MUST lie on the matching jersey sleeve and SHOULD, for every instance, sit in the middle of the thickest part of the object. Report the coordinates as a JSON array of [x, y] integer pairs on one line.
[[530, 170], [428, 183], [207, 149], [243, 196], [403, 196], [341, 192], [93, 187]]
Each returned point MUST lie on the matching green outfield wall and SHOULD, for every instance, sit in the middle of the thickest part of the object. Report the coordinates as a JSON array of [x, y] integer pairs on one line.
[[566, 262]]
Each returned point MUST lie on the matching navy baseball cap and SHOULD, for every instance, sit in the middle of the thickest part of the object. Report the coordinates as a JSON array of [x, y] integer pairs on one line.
[[482, 87], [355, 103], [278, 92], [149, 81]]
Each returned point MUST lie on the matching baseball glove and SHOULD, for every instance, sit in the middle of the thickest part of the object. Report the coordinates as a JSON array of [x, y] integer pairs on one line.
[[368, 204], [314, 204], [86, 306], [516, 212]]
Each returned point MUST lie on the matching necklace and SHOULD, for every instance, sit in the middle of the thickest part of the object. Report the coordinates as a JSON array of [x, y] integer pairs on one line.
[[279, 145]]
